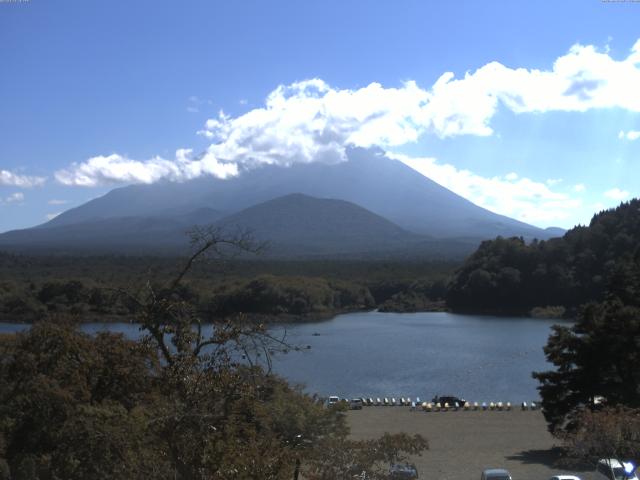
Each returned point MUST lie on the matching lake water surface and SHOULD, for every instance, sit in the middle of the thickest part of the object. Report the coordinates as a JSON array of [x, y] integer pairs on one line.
[[480, 358]]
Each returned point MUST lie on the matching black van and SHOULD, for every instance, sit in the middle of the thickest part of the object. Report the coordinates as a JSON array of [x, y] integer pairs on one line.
[[450, 400]]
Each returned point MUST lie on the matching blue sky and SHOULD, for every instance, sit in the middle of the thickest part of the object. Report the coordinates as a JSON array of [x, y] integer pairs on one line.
[[539, 118]]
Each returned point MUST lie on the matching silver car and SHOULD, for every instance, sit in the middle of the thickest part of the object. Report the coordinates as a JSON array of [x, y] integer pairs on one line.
[[495, 474]]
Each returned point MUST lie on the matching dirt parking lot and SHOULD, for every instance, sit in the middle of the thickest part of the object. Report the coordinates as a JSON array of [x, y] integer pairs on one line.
[[462, 444]]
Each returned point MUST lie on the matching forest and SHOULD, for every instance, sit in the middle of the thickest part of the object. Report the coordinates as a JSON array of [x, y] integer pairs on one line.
[[86, 287], [508, 275]]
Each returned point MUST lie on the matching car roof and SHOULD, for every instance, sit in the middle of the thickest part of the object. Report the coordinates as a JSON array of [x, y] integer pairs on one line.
[[496, 471], [610, 462], [566, 477]]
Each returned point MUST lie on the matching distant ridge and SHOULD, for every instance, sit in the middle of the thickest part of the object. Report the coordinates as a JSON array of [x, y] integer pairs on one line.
[[294, 225], [555, 231], [369, 197], [298, 223]]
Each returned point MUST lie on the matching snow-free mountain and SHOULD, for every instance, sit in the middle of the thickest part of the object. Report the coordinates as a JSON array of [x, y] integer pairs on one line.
[[368, 204]]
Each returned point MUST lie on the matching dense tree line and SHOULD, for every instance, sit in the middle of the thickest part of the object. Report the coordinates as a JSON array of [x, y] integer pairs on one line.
[[509, 275], [268, 294], [33, 287]]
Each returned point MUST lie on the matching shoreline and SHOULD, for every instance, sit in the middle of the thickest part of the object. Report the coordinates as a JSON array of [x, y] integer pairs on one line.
[[287, 317]]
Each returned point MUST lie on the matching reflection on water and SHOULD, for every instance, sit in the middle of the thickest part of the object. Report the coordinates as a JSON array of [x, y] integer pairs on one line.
[[480, 358]]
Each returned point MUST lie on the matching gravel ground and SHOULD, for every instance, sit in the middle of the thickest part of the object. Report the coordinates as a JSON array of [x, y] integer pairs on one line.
[[462, 444]]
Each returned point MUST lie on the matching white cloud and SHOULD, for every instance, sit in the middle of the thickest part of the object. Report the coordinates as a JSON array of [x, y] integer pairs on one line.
[[616, 194], [57, 202], [511, 195], [16, 198], [311, 121], [51, 216], [114, 168], [10, 179], [630, 135], [553, 181], [579, 188]]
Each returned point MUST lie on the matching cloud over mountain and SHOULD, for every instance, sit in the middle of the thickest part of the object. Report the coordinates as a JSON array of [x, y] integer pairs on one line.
[[114, 168], [312, 121], [510, 195]]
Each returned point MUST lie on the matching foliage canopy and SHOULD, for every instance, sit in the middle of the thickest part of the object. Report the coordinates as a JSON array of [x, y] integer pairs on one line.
[[509, 275], [180, 403]]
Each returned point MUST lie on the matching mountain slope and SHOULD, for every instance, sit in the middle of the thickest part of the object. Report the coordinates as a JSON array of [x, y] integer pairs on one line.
[[162, 234], [369, 179], [299, 223], [294, 225]]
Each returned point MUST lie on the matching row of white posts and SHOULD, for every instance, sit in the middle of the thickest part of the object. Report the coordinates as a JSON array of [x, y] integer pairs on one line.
[[499, 406], [436, 407]]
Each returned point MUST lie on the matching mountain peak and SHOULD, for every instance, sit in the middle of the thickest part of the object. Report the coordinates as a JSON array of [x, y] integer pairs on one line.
[[390, 192]]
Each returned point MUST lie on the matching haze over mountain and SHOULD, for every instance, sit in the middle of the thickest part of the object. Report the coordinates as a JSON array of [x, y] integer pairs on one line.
[[375, 204]]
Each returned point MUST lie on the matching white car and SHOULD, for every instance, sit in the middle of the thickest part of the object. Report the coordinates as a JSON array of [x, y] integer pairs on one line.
[[612, 469], [333, 400], [564, 477]]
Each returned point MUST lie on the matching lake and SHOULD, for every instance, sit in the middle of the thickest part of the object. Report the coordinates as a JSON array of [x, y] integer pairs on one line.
[[480, 358]]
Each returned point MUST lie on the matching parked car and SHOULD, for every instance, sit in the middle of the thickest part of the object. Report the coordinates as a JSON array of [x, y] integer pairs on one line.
[[356, 404], [450, 400], [612, 469], [333, 400], [564, 477], [495, 474], [403, 471]]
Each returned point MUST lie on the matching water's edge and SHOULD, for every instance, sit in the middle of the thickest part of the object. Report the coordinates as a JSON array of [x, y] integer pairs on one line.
[[378, 354]]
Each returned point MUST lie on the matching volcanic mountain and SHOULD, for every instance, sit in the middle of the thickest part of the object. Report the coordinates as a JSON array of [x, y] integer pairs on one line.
[[365, 204]]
